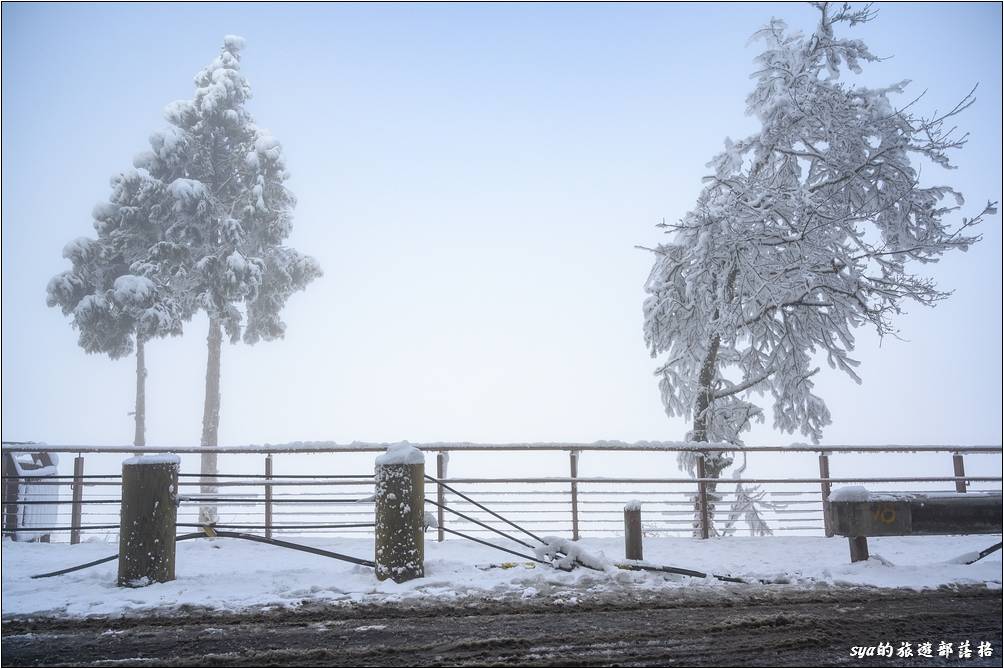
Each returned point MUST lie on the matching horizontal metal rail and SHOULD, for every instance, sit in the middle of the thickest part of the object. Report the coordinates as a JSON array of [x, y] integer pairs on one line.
[[640, 446], [604, 479], [309, 503]]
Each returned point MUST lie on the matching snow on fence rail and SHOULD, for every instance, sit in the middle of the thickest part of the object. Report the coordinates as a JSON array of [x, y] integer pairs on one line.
[[566, 503], [446, 446]]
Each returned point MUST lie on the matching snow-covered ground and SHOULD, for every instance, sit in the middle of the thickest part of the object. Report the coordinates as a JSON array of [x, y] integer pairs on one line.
[[232, 574]]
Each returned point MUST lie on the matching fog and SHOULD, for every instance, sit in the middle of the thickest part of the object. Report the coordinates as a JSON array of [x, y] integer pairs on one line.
[[474, 180]]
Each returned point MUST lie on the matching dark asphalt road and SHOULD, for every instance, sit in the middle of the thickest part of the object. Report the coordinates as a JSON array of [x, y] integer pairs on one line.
[[734, 627]]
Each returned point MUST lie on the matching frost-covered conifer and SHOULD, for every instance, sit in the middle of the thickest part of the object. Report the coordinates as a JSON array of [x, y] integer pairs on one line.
[[231, 214], [116, 291], [814, 226]]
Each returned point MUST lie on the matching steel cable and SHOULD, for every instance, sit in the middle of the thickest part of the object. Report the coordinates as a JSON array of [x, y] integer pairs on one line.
[[485, 508], [478, 522], [495, 546], [230, 535]]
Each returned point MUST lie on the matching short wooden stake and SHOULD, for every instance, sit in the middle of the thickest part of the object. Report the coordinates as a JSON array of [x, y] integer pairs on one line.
[[573, 471], [960, 470], [77, 503], [824, 489], [268, 496], [400, 515], [859, 548], [10, 490], [442, 460], [704, 515], [149, 515], [632, 531]]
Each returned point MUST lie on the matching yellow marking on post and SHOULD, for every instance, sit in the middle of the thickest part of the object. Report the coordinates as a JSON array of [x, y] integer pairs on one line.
[[885, 514]]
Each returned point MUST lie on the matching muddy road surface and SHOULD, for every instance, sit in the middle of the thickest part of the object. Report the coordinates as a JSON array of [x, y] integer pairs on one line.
[[733, 628]]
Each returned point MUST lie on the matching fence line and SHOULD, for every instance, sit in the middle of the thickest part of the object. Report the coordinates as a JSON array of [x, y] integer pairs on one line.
[[572, 503], [375, 447]]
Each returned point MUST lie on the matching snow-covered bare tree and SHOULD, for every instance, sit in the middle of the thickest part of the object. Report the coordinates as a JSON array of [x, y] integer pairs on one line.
[[813, 226], [230, 215], [117, 293]]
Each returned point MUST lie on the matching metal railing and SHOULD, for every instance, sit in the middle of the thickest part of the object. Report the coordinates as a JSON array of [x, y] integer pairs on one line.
[[562, 503]]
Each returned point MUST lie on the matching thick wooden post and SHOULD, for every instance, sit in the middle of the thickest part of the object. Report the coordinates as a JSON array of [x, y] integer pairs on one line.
[[960, 470], [400, 514], [702, 498], [268, 496], [632, 531], [76, 507], [824, 488], [149, 515], [573, 466], [859, 548], [442, 458], [10, 488]]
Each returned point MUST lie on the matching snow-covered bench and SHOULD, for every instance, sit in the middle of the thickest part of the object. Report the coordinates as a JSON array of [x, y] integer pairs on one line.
[[857, 514]]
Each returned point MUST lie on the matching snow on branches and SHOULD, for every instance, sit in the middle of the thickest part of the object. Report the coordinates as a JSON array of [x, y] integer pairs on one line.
[[806, 230], [231, 211], [115, 290]]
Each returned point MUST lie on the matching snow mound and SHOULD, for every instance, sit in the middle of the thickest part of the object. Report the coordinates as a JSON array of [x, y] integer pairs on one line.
[[78, 248], [401, 454], [851, 493], [234, 575], [574, 554], [132, 289], [633, 505], [166, 459]]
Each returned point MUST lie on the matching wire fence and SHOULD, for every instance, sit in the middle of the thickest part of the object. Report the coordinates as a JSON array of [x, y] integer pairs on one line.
[[328, 490]]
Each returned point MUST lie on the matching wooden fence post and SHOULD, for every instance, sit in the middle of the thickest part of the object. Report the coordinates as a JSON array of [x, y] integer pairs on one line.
[[632, 531], [824, 487], [442, 458], [859, 548], [960, 470], [702, 498], [400, 514], [268, 496], [573, 464], [10, 488], [77, 490], [149, 516]]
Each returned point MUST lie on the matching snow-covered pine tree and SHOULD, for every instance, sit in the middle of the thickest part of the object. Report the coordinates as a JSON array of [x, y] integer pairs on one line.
[[814, 226], [231, 214], [116, 291]]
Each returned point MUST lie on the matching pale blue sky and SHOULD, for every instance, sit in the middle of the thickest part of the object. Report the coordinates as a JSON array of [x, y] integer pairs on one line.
[[473, 179]]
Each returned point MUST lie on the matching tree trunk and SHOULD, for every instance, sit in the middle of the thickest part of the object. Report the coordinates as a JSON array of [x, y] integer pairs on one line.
[[704, 391], [211, 420], [715, 463], [139, 438]]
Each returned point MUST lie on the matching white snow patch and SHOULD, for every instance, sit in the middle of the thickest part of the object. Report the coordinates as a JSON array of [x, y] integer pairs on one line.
[[186, 190], [401, 453], [368, 628], [574, 553], [78, 248], [857, 493], [851, 493], [167, 459], [130, 288], [633, 505], [234, 575]]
